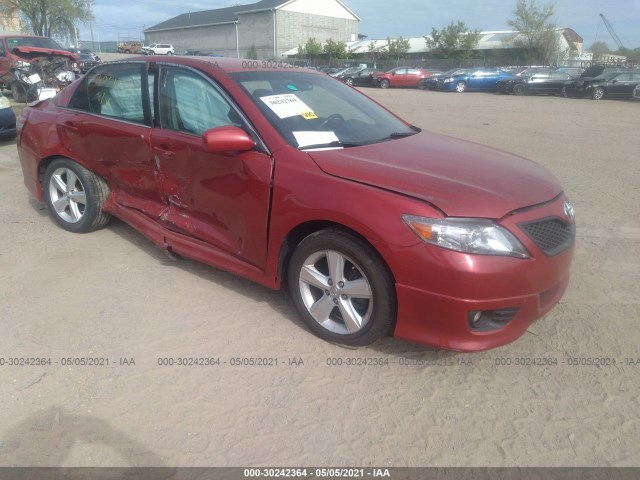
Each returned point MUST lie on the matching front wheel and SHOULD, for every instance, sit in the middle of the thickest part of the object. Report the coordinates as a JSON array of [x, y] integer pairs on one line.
[[342, 288], [461, 87], [597, 93], [75, 196], [518, 89], [384, 83], [349, 81]]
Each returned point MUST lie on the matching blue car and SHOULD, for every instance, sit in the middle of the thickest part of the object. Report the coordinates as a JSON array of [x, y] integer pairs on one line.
[[476, 79]]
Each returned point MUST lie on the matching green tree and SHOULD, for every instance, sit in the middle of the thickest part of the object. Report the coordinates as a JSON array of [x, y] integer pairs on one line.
[[598, 49], [453, 41], [537, 34], [397, 48], [49, 18], [252, 53], [335, 49], [311, 49], [376, 52]]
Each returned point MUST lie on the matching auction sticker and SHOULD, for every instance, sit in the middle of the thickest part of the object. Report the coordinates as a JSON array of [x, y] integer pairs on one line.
[[288, 105]]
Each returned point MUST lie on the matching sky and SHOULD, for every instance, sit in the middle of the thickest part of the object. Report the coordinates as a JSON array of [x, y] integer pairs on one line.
[[119, 19]]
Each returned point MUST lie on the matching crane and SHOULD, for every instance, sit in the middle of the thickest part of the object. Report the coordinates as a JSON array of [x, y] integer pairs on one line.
[[613, 33]]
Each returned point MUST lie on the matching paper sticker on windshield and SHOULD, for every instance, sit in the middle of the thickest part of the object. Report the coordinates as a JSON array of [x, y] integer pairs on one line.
[[288, 105], [306, 139]]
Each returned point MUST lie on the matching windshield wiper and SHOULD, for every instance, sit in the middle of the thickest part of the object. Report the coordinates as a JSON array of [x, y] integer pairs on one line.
[[334, 144]]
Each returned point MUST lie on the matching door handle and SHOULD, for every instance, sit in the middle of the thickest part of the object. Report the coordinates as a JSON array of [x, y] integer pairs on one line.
[[164, 152], [70, 126]]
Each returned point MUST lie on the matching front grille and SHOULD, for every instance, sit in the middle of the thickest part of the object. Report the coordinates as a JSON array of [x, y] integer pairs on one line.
[[551, 235]]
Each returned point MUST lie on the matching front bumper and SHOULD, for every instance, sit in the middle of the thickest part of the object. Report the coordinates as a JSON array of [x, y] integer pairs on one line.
[[437, 288]]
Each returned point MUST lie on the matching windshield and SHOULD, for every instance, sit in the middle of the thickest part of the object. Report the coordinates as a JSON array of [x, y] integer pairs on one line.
[[38, 42], [315, 111]]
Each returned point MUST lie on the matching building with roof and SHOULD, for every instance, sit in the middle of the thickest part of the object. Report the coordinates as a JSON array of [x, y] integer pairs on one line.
[[494, 48], [272, 27]]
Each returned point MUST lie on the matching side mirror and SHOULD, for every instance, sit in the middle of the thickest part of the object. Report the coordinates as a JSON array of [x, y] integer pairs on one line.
[[227, 139]]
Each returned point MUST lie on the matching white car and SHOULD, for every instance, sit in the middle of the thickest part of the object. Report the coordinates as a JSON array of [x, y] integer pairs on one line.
[[160, 49]]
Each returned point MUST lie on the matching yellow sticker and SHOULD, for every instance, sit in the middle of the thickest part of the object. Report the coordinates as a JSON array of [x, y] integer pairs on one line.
[[309, 115]]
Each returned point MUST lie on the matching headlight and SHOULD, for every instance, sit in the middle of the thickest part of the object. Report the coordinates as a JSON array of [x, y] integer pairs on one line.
[[467, 235], [448, 80]]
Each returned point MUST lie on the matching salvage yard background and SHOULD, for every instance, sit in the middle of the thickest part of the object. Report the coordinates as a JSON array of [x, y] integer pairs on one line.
[[113, 295]]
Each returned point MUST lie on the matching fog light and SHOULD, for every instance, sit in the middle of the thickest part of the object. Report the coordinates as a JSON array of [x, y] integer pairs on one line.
[[486, 320]]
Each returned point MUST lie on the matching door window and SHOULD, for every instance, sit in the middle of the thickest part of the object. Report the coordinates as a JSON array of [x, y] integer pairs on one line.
[[190, 103], [113, 91]]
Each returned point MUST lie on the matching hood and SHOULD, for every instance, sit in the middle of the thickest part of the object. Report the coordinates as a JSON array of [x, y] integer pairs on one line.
[[462, 179], [35, 52]]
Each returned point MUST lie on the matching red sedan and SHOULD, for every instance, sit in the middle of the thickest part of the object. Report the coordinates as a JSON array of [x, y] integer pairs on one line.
[[403, 77], [289, 178]]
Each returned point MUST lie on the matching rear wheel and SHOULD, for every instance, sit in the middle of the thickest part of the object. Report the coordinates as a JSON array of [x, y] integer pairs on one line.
[[597, 93], [461, 87], [75, 196], [342, 288]]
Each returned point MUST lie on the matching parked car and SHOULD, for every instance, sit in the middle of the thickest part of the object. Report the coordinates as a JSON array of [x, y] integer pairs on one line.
[[86, 62], [132, 46], [22, 56], [540, 82], [344, 71], [86, 51], [288, 177], [7, 119], [365, 77], [160, 49], [616, 84], [474, 79], [431, 82], [403, 77]]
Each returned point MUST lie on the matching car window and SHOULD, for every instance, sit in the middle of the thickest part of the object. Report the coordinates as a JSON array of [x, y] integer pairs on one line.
[[625, 77], [113, 91], [413, 71], [309, 109], [192, 104], [635, 77], [401, 71]]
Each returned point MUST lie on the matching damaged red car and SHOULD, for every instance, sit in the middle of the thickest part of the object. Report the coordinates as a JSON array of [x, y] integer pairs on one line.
[[292, 179], [33, 67]]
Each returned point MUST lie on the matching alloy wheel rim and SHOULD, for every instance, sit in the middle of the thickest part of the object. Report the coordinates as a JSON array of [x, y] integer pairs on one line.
[[67, 195], [336, 292]]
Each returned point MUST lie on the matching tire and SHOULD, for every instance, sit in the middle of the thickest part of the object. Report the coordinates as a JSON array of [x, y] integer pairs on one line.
[[563, 92], [342, 288], [169, 53], [384, 83], [461, 87], [518, 89], [597, 93], [75, 196], [18, 93]]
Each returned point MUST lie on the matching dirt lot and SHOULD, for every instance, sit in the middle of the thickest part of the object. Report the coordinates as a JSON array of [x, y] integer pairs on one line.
[[111, 295]]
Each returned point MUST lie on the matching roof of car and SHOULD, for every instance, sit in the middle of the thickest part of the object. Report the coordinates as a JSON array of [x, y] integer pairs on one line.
[[228, 65]]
